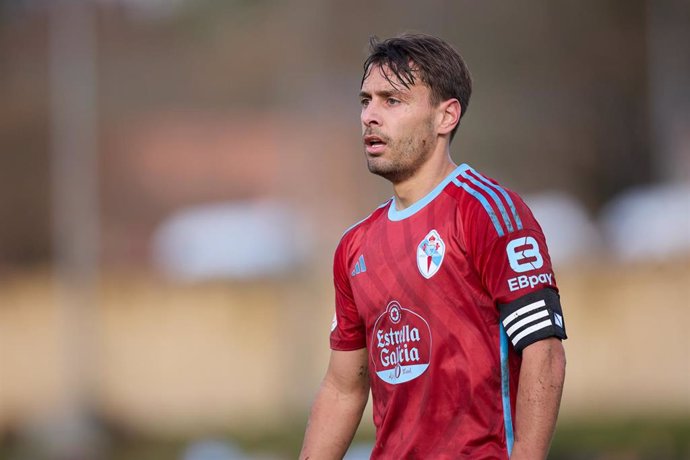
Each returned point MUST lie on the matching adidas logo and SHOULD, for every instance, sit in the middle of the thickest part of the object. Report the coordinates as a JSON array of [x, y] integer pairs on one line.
[[360, 266]]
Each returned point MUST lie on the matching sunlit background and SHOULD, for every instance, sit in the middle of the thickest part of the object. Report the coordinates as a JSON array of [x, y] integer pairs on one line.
[[175, 175]]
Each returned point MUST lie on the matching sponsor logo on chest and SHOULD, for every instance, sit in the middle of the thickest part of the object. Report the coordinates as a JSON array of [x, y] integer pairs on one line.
[[430, 253], [400, 345]]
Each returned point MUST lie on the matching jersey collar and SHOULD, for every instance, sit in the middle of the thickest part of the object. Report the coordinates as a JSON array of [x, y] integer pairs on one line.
[[395, 215]]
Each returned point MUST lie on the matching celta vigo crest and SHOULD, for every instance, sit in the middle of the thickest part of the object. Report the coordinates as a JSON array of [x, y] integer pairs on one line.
[[430, 254]]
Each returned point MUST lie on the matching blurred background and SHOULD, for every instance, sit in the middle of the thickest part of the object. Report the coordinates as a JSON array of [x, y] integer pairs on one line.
[[175, 175]]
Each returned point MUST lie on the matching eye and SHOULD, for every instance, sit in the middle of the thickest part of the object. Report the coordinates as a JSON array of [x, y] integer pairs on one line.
[[392, 101], [364, 101]]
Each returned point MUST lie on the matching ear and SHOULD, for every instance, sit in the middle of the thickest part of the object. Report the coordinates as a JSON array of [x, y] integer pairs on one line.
[[449, 115]]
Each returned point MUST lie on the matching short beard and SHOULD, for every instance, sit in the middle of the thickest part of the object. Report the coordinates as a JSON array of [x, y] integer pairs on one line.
[[400, 169], [412, 154]]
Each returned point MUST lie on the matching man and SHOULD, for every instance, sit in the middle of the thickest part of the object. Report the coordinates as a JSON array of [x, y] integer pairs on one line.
[[446, 304]]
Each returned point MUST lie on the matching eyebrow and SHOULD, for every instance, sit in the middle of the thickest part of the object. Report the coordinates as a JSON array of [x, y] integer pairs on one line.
[[383, 93]]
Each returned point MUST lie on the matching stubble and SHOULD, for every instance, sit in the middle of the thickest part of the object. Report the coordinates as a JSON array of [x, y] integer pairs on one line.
[[405, 155]]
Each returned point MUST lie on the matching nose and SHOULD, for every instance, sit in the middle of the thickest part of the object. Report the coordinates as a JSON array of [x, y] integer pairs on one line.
[[370, 115]]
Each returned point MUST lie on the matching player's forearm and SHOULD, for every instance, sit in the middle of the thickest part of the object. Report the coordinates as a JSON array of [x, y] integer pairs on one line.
[[539, 396], [333, 421]]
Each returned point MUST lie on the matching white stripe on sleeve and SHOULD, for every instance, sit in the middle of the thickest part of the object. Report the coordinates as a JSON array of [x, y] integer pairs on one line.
[[522, 311], [531, 329], [529, 319]]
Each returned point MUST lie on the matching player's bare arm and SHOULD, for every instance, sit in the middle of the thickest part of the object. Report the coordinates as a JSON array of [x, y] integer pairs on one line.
[[539, 396], [338, 407]]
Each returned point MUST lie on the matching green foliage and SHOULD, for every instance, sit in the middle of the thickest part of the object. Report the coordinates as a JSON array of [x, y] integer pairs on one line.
[[634, 439]]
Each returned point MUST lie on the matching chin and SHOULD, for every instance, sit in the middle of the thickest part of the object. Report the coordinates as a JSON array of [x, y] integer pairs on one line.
[[388, 171], [378, 166]]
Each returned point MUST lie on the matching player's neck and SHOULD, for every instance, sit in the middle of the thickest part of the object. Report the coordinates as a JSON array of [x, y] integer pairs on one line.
[[429, 175]]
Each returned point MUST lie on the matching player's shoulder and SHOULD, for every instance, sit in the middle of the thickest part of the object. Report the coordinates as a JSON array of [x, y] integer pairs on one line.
[[484, 202], [361, 227]]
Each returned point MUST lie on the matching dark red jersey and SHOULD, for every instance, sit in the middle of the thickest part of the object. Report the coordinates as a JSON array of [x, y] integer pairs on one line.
[[444, 295]]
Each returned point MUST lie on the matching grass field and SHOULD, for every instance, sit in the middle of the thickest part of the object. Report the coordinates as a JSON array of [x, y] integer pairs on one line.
[[634, 439]]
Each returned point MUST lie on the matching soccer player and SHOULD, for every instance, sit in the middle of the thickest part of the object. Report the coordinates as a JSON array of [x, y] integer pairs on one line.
[[446, 305]]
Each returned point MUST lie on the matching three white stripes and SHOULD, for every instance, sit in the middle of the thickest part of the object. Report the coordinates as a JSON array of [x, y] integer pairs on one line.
[[531, 317]]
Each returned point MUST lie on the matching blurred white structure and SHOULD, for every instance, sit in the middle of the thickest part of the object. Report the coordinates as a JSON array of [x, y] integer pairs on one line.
[[213, 450], [570, 233], [649, 223], [230, 240], [149, 9]]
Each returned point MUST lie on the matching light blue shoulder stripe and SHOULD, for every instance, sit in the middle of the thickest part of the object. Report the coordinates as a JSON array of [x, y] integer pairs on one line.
[[505, 390], [395, 215], [503, 192], [492, 194], [354, 225], [484, 202]]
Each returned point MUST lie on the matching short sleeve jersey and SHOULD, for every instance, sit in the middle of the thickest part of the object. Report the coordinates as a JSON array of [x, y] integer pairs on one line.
[[444, 295]]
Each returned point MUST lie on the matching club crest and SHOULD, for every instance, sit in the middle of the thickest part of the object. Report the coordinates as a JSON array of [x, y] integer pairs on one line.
[[430, 254]]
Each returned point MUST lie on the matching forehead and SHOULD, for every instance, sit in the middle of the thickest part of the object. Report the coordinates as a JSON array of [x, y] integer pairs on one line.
[[381, 77]]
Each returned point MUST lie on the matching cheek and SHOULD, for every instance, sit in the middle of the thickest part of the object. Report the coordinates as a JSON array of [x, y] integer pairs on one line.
[[413, 124], [412, 128], [421, 128]]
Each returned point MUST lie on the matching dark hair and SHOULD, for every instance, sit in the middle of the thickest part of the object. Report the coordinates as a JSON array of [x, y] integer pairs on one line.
[[438, 65]]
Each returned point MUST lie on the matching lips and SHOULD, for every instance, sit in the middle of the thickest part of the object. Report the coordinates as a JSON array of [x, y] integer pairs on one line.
[[374, 144]]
